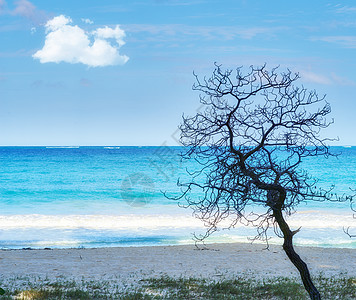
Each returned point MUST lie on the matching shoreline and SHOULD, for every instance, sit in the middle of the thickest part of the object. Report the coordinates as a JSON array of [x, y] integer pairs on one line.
[[134, 263], [198, 247]]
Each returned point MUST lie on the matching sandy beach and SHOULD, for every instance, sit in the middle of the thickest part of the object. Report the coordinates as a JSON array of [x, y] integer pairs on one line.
[[134, 263]]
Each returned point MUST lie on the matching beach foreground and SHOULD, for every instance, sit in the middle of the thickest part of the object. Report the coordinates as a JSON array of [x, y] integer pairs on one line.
[[134, 263]]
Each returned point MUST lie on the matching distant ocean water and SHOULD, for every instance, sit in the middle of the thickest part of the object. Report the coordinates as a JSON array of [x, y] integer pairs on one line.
[[112, 196]]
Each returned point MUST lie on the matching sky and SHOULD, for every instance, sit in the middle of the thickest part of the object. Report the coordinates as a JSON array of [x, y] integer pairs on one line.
[[111, 72]]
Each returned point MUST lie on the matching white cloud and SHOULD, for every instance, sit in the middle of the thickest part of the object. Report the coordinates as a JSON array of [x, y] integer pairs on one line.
[[326, 79], [2, 5], [345, 9], [343, 40], [314, 78], [108, 33], [67, 43], [25, 8], [57, 22], [177, 31], [87, 21]]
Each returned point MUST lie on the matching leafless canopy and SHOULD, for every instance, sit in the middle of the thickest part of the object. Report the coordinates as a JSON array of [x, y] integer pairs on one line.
[[348, 230], [250, 139]]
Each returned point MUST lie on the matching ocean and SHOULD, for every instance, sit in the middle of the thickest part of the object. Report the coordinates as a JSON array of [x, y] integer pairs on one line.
[[70, 197]]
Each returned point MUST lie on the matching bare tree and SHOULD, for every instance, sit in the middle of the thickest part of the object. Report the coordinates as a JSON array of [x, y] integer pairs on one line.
[[249, 140], [347, 230]]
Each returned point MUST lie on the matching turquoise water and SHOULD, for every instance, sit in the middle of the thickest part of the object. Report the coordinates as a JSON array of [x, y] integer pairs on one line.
[[112, 196]]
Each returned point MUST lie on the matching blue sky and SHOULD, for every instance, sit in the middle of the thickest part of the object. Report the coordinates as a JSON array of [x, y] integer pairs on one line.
[[120, 72]]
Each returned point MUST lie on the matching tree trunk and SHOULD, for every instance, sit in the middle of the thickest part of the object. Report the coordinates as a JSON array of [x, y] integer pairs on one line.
[[294, 257]]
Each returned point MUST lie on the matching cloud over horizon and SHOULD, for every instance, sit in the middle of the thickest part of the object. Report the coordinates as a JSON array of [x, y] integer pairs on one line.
[[71, 44]]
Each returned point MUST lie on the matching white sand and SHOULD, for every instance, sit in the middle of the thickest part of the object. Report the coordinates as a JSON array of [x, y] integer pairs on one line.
[[134, 263]]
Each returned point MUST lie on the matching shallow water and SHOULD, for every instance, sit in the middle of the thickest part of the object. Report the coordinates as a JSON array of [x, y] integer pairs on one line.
[[112, 196]]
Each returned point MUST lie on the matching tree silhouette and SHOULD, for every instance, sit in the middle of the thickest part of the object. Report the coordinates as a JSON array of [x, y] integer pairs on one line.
[[249, 139], [347, 230]]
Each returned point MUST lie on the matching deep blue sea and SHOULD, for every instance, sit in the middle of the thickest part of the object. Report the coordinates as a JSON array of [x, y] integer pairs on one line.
[[113, 196]]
